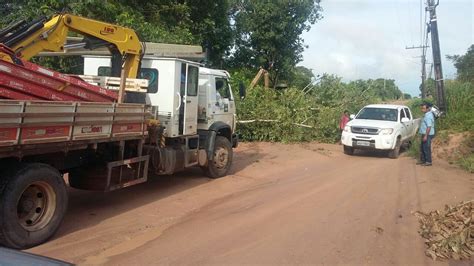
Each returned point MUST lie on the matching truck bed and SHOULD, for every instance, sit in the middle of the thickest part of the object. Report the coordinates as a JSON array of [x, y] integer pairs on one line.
[[27, 81], [31, 127]]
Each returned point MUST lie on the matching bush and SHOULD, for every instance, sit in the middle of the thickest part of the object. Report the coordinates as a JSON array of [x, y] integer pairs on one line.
[[460, 103], [294, 115], [304, 114]]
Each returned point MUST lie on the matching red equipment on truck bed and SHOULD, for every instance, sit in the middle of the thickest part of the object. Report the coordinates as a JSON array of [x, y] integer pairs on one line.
[[24, 80]]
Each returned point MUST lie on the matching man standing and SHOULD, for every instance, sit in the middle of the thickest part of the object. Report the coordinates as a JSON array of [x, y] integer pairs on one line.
[[427, 131]]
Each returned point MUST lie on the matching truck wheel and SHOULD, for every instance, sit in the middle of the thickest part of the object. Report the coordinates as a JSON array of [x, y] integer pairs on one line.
[[219, 165], [393, 154], [33, 204], [348, 150]]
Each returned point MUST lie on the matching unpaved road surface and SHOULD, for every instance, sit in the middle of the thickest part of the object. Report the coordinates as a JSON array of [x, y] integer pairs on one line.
[[282, 204]]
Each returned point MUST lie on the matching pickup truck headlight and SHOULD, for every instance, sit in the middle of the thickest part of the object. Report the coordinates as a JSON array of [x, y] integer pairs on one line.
[[347, 129], [386, 131]]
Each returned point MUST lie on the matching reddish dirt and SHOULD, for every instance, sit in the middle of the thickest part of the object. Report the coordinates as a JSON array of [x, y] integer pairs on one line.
[[453, 146], [282, 204]]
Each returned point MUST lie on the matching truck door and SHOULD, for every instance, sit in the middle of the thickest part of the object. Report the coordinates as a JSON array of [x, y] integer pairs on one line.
[[411, 127], [189, 92], [404, 131], [224, 107]]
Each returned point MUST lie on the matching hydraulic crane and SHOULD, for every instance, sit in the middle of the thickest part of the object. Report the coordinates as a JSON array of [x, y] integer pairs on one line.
[[29, 39]]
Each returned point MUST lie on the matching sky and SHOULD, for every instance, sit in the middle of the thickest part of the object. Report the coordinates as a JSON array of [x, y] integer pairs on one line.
[[362, 39]]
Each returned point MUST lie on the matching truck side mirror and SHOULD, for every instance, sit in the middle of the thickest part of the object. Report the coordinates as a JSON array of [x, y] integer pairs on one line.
[[405, 119], [242, 90], [352, 116]]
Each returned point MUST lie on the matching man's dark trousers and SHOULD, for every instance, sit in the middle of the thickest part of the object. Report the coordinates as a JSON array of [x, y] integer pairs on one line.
[[425, 149]]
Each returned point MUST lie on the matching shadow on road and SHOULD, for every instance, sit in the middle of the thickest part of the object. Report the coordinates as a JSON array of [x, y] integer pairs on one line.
[[377, 153], [88, 208]]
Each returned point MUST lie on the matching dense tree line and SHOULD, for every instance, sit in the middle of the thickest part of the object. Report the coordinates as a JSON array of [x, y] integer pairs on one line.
[[236, 34]]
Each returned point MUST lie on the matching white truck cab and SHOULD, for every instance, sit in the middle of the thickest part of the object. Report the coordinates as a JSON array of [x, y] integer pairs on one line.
[[195, 109], [380, 127], [216, 103]]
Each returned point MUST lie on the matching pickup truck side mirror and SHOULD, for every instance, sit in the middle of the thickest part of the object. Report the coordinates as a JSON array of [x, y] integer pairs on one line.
[[352, 116], [405, 119]]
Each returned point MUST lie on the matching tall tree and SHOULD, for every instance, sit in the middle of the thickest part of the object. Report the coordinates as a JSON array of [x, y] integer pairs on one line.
[[211, 26], [301, 77], [268, 33], [464, 64], [200, 22]]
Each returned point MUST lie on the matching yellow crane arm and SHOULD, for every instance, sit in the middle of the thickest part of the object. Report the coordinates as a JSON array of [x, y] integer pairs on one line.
[[52, 37]]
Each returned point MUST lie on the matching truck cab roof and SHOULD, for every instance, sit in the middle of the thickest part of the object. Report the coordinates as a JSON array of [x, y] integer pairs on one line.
[[215, 72]]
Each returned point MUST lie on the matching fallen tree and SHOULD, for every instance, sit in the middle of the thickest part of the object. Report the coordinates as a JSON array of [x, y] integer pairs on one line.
[[449, 233]]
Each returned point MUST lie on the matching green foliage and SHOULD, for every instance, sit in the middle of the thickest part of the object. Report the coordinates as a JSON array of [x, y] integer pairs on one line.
[[467, 163], [268, 34], [464, 65], [459, 118], [287, 116], [202, 22], [300, 77], [460, 102], [414, 149], [406, 96], [294, 115]]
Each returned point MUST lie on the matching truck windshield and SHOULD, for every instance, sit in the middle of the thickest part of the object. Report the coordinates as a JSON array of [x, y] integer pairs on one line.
[[372, 113]]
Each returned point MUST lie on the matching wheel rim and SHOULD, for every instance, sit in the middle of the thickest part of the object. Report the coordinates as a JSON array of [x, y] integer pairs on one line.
[[221, 157], [36, 206]]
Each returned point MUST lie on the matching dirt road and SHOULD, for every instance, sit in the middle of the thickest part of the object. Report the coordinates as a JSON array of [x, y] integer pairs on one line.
[[283, 204]]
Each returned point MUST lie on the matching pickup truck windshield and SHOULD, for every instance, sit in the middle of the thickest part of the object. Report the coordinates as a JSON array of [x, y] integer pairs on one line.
[[372, 113]]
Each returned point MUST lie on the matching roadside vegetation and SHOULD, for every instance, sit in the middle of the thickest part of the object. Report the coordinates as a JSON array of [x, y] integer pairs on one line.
[[305, 114], [455, 131]]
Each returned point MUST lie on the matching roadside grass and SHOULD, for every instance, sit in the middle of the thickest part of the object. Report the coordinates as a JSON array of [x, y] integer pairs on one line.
[[461, 154], [414, 149], [466, 158], [467, 163], [459, 119]]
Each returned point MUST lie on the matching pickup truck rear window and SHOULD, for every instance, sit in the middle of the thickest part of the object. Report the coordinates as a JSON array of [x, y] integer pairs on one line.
[[372, 113]]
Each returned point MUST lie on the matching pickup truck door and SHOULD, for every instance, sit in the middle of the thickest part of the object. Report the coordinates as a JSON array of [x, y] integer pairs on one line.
[[412, 127], [408, 129], [405, 125]]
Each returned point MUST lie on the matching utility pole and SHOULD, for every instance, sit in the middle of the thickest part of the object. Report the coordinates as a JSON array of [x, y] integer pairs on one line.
[[423, 68], [438, 70]]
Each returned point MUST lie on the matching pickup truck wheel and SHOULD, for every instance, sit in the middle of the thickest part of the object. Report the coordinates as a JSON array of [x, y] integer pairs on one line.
[[393, 154], [220, 164], [33, 204], [348, 150]]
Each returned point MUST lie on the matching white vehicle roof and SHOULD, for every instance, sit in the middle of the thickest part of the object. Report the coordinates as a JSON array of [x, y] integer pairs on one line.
[[389, 106], [215, 72]]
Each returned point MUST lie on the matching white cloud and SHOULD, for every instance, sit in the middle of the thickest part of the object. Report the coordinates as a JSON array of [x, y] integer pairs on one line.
[[367, 39]]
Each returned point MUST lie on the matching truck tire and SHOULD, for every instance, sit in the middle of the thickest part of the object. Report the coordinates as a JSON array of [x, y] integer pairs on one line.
[[393, 154], [33, 203], [220, 164], [348, 150]]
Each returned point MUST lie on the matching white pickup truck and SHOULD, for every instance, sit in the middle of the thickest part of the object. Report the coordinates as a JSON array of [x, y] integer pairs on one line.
[[380, 127]]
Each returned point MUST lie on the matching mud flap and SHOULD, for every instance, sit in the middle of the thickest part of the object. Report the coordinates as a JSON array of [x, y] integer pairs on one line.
[[211, 141]]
